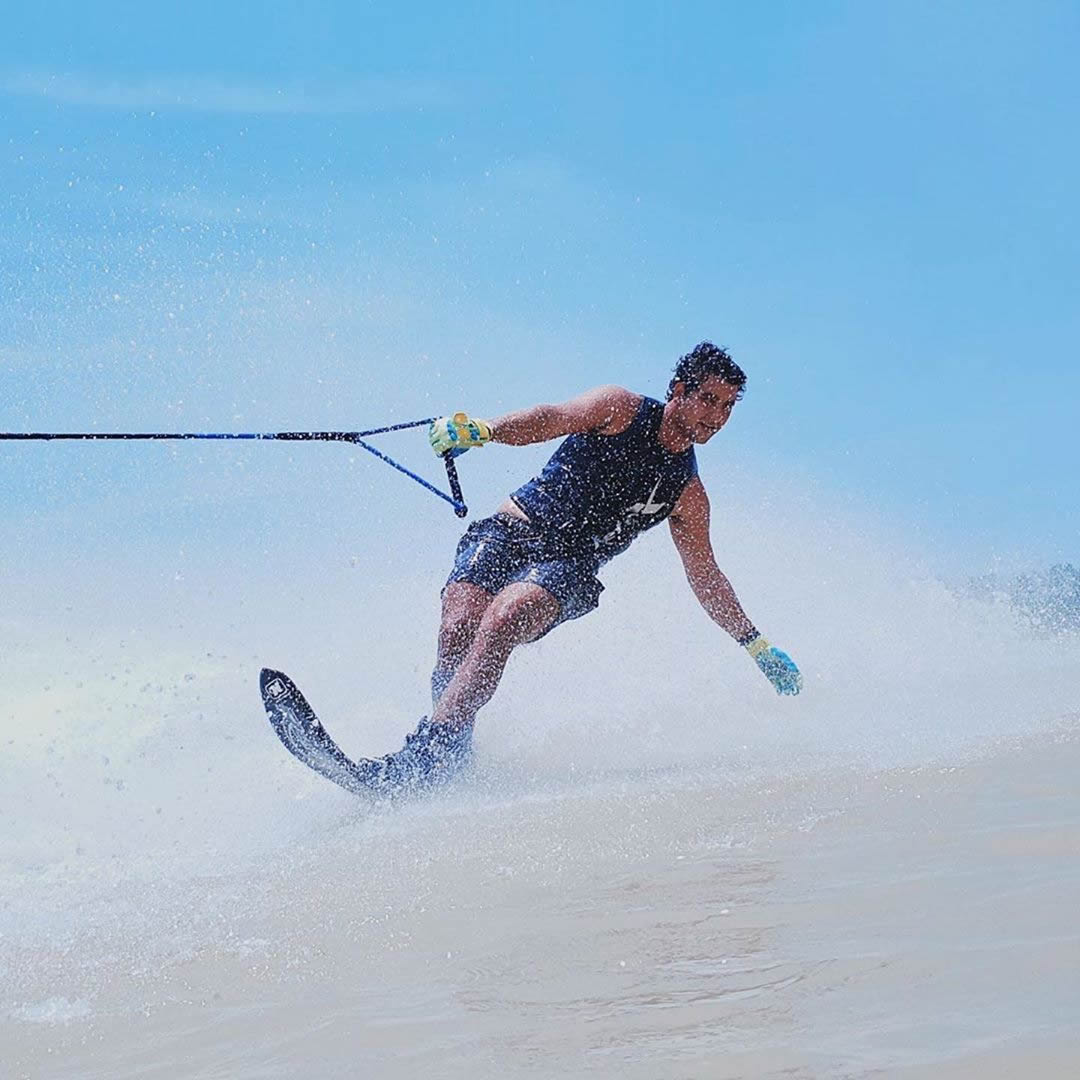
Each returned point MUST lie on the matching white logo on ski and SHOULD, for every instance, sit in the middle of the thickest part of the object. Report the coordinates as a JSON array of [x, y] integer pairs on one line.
[[648, 506]]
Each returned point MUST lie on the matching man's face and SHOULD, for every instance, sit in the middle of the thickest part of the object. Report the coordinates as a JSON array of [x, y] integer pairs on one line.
[[704, 411]]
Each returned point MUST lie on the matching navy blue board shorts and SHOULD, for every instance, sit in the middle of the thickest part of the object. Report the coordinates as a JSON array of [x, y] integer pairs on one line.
[[501, 549]]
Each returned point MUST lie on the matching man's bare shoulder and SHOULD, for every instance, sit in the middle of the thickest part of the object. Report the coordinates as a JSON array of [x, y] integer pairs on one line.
[[619, 407]]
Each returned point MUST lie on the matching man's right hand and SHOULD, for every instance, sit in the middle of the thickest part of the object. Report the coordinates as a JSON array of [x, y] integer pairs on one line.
[[455, 434]]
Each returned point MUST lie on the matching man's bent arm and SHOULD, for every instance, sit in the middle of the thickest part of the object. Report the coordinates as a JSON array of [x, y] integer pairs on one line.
[[607, 410], [690, 530]]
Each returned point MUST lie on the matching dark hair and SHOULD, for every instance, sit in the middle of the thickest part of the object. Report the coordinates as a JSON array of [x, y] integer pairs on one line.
[[702, 361]]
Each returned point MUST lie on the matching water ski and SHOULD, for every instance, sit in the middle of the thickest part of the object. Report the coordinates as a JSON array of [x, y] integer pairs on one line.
[[297, 726], [432, 754]]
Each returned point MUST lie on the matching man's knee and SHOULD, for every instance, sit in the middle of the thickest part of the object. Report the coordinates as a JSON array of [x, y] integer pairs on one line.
[[518, 614]]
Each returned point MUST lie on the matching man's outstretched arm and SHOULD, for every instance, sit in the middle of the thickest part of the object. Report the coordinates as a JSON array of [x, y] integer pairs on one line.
[[606, 409], [690, 530], [689, 523]]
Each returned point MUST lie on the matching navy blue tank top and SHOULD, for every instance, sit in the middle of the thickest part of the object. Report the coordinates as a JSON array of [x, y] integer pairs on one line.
[[597, 493]]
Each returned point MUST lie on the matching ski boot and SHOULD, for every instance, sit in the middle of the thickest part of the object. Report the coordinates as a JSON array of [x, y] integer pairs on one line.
[[432, 755]]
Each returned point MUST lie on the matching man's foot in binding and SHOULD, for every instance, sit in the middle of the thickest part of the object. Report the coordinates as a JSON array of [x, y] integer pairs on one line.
[[432, 754]]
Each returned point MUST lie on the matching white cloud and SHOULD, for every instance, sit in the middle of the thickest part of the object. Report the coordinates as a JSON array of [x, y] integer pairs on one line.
[[199, 94]]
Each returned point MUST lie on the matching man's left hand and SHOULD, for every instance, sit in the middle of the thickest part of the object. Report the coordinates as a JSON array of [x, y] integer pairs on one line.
[[776, 666]]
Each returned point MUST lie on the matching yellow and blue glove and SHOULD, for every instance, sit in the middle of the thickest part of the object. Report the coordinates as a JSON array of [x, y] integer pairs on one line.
[[776, 666], [455, 434]]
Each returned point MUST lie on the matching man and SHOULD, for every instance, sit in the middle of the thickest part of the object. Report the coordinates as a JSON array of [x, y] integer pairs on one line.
[[627, 464]]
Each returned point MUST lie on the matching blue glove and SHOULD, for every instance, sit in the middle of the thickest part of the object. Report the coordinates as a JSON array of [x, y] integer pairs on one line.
[[776, 666]]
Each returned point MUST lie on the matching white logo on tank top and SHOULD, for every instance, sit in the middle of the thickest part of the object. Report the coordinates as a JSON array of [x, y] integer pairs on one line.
[[648, 506]]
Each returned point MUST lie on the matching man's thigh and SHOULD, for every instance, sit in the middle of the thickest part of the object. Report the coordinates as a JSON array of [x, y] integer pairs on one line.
[[523, 612], [570, 581]]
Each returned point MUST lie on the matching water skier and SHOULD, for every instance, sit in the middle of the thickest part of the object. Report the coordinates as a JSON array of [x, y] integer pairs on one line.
[[626, 464]]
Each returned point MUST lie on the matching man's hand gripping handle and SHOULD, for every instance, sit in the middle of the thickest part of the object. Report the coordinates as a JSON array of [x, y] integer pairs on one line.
[[455, 434]]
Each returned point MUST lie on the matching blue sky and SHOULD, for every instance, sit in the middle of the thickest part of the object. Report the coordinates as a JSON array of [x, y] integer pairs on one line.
[[333, 215]]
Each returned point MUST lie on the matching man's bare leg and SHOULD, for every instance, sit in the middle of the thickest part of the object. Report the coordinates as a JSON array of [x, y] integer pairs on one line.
[[463, 606], [519, 613]]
